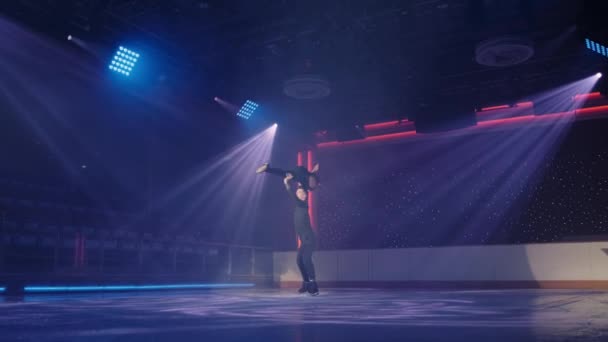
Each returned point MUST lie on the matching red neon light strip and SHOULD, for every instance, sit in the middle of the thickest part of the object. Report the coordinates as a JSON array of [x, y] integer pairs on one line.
[[485, 109], [519, 105], [391, 136], [545, 117], [309, 160], [381, 125], [311, 202], [592, 110], [599, 110], [524, 104], [300, 163], [591, 96], [389, 124]]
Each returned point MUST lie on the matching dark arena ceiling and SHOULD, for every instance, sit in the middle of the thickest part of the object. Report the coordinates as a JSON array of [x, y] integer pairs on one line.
[[369, 60]]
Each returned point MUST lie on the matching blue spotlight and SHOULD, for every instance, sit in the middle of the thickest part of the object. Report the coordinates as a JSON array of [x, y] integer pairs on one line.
[[124, 61], [247, 110], [2, 289], [596, 47], [104, 288]]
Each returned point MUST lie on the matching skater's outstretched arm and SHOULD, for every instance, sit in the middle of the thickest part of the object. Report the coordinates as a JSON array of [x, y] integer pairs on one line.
[[273, 171], [277, 171], [308, 180]]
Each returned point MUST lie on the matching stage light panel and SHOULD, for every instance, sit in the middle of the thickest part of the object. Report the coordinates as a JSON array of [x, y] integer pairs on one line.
[[124, 61], [596, 47], [247, 109]]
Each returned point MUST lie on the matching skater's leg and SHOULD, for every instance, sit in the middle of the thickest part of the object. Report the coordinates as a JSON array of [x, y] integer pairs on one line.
[[306, 259], [301, 265], [306, 252]]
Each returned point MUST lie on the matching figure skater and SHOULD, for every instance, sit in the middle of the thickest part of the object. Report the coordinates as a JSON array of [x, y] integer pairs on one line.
[[303, 228], [308, 180]]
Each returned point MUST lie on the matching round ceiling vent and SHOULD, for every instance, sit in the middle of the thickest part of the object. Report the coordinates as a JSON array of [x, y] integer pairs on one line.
[[307, 87], [503, 51]]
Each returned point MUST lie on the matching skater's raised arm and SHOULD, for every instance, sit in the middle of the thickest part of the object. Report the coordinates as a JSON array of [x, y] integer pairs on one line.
[[287, 182], [300, 195]]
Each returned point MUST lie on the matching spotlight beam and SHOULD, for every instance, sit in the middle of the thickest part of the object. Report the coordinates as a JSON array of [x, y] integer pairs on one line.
[[224, 193], [206, 169], [558, 99], [211, 186]]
